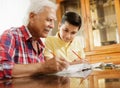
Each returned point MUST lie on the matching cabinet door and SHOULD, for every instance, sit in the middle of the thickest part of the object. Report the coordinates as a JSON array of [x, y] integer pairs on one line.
[[105, 79], [103, 17], [68, 5]]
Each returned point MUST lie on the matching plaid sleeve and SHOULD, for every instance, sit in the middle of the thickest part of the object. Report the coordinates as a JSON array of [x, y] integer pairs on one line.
[[6, 65], [6, 70], [6, 84], [6, 53]]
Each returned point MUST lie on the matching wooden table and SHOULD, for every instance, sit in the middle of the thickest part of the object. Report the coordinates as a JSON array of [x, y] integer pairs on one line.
[[97, 79]]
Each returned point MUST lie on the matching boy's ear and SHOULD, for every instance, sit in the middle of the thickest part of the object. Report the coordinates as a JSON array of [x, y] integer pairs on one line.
[[59, 25]]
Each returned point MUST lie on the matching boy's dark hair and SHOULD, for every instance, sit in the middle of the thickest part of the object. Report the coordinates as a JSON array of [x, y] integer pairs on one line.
[[72, 18]]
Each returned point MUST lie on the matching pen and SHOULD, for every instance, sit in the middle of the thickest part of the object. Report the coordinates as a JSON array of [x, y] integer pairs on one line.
[[86, 69]]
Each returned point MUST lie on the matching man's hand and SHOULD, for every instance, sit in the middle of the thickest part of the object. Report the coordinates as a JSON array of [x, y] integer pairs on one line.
[[54, 65]]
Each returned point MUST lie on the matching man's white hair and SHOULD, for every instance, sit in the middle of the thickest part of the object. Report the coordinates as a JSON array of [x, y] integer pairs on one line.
[[37, 6]]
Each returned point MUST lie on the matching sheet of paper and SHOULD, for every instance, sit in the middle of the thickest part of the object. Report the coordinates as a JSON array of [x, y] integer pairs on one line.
[[76, 70], [95, 65], [80, 74]]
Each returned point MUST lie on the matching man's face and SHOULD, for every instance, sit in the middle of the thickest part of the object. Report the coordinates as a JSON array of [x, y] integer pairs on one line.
[[42, 23], [67, 32]]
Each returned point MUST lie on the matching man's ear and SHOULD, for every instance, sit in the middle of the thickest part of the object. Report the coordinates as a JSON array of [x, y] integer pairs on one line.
[[31, 17]]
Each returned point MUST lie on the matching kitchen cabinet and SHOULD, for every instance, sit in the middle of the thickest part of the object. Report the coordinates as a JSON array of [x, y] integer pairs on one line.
[[100, 27]]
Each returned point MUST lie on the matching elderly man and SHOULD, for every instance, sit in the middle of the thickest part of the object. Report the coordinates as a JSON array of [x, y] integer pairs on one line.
[[21, 49]]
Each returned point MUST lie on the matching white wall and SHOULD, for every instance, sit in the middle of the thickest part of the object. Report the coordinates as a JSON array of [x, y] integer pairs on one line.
[[12, 13]]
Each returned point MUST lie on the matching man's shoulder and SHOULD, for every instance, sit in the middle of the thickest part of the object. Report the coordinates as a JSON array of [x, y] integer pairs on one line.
[[10, 31]]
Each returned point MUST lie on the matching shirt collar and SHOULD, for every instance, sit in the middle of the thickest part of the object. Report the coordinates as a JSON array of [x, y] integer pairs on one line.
[[28, 35], [60, 40]]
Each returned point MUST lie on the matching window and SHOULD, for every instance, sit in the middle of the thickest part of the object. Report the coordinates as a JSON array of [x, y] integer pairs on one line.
[[12, 13]]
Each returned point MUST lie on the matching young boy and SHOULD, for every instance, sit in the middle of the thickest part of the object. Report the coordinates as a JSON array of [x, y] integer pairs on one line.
[[65, 44]]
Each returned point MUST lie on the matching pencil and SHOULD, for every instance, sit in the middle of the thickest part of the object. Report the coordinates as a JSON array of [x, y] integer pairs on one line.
[[77, 55]]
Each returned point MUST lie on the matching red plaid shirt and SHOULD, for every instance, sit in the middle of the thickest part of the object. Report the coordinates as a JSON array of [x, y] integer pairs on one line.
[[16, 48]]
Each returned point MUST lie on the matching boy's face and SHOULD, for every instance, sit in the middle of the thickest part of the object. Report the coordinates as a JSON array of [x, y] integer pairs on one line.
[[67, 32]]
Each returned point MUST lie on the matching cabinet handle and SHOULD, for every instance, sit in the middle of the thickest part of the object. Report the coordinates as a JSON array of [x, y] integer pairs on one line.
[[108, 57]]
